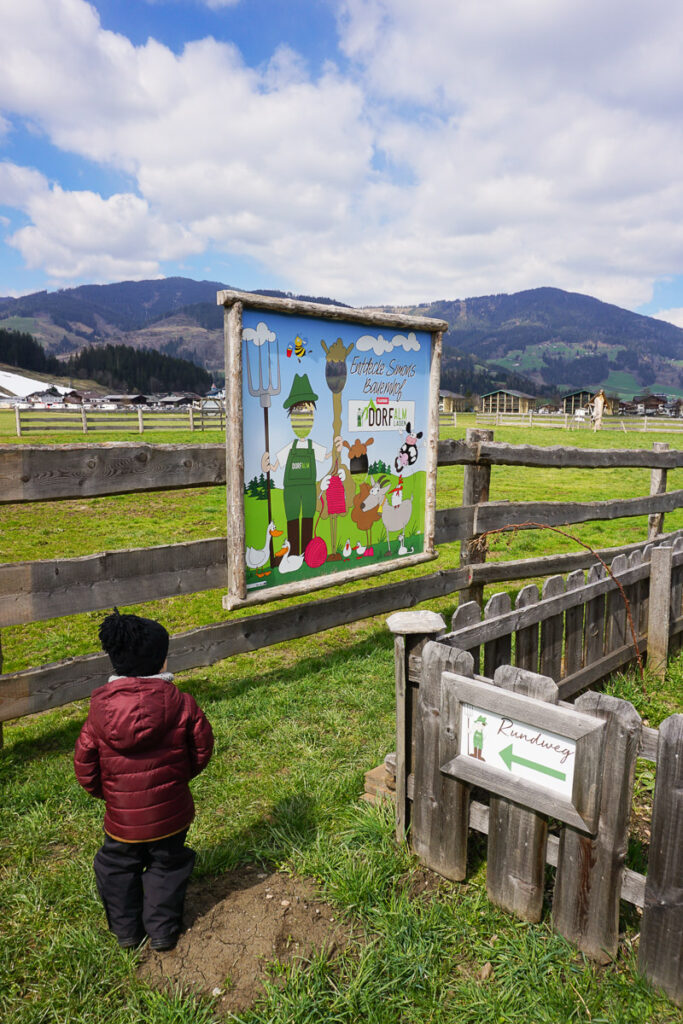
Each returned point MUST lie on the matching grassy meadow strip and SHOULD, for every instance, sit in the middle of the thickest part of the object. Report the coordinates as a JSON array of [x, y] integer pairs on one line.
[[296, 727]]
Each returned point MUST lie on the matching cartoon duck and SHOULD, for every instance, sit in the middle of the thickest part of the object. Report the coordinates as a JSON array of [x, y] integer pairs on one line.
[[346, 552], [363, 551], [256, 558], [289, 563]]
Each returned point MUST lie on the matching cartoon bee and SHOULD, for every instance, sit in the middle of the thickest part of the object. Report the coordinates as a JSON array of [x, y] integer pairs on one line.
[[299, 348]]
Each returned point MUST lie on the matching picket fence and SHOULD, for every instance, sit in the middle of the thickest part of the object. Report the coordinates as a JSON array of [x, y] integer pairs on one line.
[[436, 810]]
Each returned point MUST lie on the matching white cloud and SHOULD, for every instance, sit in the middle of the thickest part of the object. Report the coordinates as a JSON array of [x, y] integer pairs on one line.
[[672, 316], [472, 147], [260, 335]]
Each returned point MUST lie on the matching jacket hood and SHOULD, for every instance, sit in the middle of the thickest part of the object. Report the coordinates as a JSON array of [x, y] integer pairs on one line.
[[135, 713]]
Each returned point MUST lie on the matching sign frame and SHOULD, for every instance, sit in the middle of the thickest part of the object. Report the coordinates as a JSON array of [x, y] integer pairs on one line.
[[582, 811], [235, 304]]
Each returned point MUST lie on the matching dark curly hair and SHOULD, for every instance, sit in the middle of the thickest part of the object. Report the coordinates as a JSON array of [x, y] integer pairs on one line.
[[136, 646]]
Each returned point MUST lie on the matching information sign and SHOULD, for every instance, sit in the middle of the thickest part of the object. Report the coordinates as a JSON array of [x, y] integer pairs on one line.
[[535, 753], [333, 426]]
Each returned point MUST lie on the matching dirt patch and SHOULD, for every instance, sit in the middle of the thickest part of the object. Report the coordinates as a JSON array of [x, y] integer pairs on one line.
[[238, 926]]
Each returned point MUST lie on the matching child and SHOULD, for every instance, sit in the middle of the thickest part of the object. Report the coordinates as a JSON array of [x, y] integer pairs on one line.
[[142, 742]]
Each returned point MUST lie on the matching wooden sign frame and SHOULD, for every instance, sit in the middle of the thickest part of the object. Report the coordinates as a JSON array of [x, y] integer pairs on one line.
[[238, 306], [586, 732]]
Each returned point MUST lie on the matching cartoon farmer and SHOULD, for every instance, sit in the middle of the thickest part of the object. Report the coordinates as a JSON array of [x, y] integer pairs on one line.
[[299, 458], [478, 738]]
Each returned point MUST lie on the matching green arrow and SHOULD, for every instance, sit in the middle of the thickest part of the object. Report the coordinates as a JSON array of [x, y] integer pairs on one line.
[[508, 757]]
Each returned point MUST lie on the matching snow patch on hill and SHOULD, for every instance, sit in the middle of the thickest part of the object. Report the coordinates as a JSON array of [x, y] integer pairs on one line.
[[19, 386]]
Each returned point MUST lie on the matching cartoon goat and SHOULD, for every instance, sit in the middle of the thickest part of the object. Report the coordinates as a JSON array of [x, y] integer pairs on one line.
[[394, 518]]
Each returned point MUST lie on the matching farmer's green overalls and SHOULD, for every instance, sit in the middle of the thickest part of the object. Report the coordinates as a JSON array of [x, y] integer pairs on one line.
[[299, 495]]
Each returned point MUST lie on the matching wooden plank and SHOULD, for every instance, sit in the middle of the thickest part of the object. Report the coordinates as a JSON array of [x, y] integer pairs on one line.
[[600, 669], [475, 490], [37, 689], [495, 515], [439, 813], [573, 628], [660, 956], [552, 630], [467, 615], [458, 452], [615, 610], [497, 651], [589, 870], [548, 565], [506, 623], [632, 883], [526, 640], [515, 869], [676, 596], [411, 632], [633, 593], [655, 524], [594, 616], [56, 472], [659, 613], [250, 300]]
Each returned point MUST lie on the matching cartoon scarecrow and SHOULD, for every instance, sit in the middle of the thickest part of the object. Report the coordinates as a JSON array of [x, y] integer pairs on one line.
[[299, 458], [478, 738]]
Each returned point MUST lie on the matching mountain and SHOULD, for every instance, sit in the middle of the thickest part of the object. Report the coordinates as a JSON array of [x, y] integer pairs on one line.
[[543, 340], [561, 340]]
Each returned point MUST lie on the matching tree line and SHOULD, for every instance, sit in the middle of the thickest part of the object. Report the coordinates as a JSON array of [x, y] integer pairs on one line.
[[118, 367]]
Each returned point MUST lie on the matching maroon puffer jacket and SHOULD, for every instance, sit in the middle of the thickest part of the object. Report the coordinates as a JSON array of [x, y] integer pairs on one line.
[[142, 742]]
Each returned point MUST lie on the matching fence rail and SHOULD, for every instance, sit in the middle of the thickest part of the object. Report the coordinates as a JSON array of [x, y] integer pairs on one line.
[[84, 420], [591, 876], [41, 589], [567, 421]]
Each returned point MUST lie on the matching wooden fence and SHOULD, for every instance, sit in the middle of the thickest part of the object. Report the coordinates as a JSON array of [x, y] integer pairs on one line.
[[46, 588], [590, 874], [567, 421], [133, 418]]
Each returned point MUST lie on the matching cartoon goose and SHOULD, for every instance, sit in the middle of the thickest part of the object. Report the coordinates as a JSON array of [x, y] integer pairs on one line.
[[289, 563], [257, 557]]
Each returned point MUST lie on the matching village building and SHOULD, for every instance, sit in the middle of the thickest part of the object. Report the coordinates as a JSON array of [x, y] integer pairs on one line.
[[507, 401], [117, 400], [450, 402]]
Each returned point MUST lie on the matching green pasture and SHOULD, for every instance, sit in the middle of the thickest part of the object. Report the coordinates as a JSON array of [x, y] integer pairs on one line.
[[296, 727]]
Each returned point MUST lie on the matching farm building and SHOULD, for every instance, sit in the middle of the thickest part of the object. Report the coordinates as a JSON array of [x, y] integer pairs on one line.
[[450, 402], [582, 399], [507, 401], [136, 399]]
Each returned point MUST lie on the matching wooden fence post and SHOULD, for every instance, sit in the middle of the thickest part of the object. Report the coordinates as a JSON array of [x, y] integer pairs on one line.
[[17, 419], [552, 631], [589, 869], [467, 615], [526, 639], [515, 869], [497, 652], [84, 419], [616, 632], [411, 632], [475, 489], [573, 627], [191, 418], [141, 425], [659, 610], [660, 957], [655, 522], [440, 804]]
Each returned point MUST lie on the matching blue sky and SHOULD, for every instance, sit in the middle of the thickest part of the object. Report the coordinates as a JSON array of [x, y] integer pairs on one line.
[[376, 151]]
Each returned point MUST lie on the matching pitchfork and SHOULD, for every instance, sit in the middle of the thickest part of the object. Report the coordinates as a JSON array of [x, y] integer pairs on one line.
[[264, 392]]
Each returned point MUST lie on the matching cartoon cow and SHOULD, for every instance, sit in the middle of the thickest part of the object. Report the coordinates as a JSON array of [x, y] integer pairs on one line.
[[407, 455]]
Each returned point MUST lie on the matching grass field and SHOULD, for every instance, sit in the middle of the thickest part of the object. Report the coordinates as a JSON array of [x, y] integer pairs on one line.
[[296, 727]]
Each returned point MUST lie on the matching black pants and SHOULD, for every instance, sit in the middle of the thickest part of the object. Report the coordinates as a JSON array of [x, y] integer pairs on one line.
[[142, 886]]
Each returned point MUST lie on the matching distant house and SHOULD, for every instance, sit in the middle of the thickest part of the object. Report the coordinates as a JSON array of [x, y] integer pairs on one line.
[[507, 401], [176, 401], [136, 399], [450, 402], [650, 405], [582, 399]]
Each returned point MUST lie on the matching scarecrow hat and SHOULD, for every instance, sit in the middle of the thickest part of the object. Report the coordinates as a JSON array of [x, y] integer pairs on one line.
[[301, 391]]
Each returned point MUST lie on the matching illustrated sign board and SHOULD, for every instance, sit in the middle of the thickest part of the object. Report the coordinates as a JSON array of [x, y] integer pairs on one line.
[[546, 757], [332, 439]]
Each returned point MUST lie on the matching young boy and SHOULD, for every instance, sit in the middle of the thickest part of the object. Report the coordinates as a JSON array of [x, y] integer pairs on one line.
[[142, 742]]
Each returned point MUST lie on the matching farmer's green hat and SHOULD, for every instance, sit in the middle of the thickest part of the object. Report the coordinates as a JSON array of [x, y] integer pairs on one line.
[[301, 391]]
